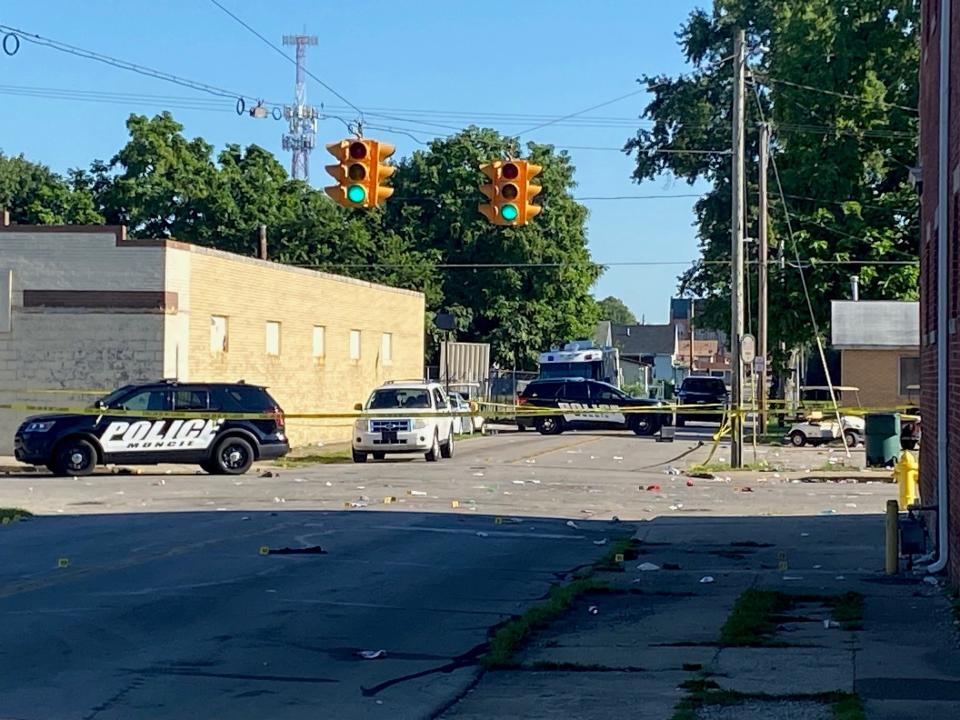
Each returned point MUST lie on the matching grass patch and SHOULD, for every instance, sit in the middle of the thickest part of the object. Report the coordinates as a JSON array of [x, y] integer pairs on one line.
[[10, 515], [629, 548], [725, 467], [703, 692], [332, 457], [756, 614], [751, 622], [545, 665], [513, 634]]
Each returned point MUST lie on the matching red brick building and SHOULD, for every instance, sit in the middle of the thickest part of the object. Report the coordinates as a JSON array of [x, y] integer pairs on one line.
[[931, 334]]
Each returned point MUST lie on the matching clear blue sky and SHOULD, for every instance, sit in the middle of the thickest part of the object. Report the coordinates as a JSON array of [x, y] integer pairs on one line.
[[432, 55]]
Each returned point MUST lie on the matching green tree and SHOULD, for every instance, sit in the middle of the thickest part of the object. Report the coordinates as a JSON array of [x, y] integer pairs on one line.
[[616, 311], [838, 81], [35, 195], [520, 289]]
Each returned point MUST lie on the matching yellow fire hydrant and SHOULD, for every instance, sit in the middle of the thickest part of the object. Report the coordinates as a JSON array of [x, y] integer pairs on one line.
[[907, 472]]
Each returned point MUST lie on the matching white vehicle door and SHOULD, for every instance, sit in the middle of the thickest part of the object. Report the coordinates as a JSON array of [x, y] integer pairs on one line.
[[442, 403]]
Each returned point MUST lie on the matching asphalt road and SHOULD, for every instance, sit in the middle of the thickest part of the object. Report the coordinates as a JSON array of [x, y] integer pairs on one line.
[[165, 607]]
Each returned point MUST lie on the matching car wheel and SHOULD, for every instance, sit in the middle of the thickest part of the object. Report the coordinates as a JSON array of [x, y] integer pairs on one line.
[[233, 456], [433, 454], [549, 425], [74, 457], [798, 439], [521, 428], [643, 424], [379, 455], [208, 467], [446, 450], [359, 457], [851, 438]]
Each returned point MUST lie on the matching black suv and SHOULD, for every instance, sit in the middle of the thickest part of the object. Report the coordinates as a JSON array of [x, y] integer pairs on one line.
[[702, 390], [586, 405], [75, 443]]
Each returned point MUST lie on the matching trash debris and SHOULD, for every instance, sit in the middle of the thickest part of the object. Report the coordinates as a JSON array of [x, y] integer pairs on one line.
[[600, 542], [268, 473], [572, 524], [745, 488], [850, 505], [689, 483], [389, 500], [792, 577], [617, 457], [647, 567], [311, 550], [593, 457], [840, 577], [519, 482], [372, 654], [480, 533], [830, 624], [279, 500], [530, 461], [614, 519], [478, 474], [245, 517], [535, 482], [671, 470], [673, 507], [299, 480], [361, 487], [707, 579], [159, 482], [804, 534], [328, 483], [593, 610], [776, 475], [355, 504], [817, 567], [574, 452], [828, 511], [652, 488], [930, 580], [456, 503]]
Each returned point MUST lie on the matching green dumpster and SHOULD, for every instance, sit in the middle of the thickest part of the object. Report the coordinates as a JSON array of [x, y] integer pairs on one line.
[[882, 431]]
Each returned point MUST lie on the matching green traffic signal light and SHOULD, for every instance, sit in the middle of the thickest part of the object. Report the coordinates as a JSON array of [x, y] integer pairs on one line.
[[356, 194], [509, 212]]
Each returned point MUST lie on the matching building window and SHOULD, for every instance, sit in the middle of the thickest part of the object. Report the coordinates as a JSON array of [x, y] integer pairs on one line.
[[218, 334], [354, 344], [386, 348], [273, 337], [319, 341], [909, 376]]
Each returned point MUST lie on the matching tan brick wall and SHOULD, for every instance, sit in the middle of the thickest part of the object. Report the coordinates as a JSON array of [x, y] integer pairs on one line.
[[250, 292], [877, 374]]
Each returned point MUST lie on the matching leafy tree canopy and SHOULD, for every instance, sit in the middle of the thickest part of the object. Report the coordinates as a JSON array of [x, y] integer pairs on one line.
[[614, 310]]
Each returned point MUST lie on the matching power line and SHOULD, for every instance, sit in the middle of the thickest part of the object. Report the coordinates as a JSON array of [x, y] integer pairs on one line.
[[589, 109], [810, 263], [123, 64], [868, 101], [277, 49]]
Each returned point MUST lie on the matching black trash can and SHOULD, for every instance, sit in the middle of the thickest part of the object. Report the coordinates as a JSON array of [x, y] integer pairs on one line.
[[882, 436]]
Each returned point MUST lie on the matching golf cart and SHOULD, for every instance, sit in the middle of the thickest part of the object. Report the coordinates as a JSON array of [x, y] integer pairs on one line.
[[811, 428]]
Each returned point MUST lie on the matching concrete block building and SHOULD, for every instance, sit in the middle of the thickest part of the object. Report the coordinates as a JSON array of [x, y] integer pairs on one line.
[[85, 307]]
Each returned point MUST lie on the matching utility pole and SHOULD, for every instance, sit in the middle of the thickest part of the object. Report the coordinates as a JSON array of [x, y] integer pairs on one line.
[[736, 254], [691, 335], [302, 135], [762, 287]]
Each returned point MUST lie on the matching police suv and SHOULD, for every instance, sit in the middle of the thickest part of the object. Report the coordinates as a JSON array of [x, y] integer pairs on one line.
[[586, 405], [195, 431]]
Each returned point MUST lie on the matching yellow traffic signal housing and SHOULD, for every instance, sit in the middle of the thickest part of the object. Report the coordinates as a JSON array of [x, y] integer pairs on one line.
[[359, 172], [510, 192]]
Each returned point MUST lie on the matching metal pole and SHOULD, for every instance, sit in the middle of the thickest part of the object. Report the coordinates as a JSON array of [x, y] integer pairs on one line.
[[892, 545], [691, 335], [736, 255], [762, 288]]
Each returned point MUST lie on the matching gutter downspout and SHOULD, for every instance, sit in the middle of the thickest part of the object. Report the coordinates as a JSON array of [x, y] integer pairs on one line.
[[943, 544]]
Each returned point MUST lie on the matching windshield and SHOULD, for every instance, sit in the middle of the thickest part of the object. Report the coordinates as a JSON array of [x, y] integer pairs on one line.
[[565, 370], [704, 385], [394, 398], [112, 398]]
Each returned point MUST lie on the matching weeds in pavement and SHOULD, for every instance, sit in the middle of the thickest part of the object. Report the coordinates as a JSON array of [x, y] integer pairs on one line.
[[703, 692], [756, 614], [512, 635], [9, 515], [725, 467], [332, 457]]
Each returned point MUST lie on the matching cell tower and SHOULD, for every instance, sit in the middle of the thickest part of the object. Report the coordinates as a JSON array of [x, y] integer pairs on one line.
[[302, 136]]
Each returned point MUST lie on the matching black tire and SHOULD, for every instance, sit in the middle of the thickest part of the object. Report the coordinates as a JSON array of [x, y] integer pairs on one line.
[[208, 467], [359, 457], [379, 455], [521, 428], [232, 456], [446, 449], [798, 439], [851, 438], [74, 457], [644, 424], [433, 454], [549, 425]]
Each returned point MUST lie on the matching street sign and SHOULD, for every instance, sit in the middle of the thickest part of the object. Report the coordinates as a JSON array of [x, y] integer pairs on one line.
[[748, 349], [759, 365]]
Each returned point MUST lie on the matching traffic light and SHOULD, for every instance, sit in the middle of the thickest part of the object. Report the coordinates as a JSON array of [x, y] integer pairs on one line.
[[360, 172], [510, 192]]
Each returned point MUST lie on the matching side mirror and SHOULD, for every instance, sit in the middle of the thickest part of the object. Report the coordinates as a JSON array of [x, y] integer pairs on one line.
[[101, 405], [358, 407]]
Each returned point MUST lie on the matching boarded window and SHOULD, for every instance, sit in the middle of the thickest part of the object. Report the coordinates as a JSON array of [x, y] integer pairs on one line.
[[273, 337], [909, 376], [218, 334], [319, 341], [386, 348], [354, 344]]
